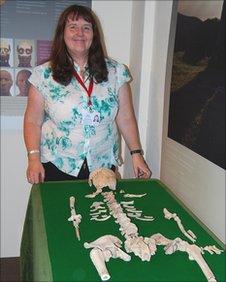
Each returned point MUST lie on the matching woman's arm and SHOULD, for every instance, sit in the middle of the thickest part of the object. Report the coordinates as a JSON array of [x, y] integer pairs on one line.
[[127, 125], [33, 120]]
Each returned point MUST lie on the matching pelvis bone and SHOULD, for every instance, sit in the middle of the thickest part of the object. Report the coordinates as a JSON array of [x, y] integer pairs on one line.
[[104, 248]]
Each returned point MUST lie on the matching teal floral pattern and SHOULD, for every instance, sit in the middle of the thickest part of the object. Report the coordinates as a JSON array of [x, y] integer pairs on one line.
[[66, 139]]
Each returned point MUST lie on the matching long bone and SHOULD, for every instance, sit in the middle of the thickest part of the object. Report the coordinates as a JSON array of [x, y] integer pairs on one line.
[[75, 218], [98, 259], [169, 215], [193, 251]]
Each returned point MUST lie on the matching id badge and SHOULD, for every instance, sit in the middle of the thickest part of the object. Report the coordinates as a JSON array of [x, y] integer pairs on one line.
[[91, 118]]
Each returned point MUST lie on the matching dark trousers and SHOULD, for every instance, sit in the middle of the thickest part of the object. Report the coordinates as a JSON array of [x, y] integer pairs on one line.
[[52, 173]]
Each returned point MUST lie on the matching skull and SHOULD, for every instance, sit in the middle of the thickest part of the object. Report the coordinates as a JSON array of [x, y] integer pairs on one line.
[[4, 54], [24, 51]]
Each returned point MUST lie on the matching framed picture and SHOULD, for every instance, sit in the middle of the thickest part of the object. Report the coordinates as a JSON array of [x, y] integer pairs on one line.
[[197, 98]]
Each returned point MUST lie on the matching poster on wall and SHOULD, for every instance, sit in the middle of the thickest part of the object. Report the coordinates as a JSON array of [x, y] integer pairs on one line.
[[197, 97], [27, 28]]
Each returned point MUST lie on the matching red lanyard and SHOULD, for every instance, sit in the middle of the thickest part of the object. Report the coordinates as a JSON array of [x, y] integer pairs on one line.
[[89, 90]]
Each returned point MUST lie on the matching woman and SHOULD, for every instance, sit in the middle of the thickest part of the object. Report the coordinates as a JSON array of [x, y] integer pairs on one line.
[[63, 139]]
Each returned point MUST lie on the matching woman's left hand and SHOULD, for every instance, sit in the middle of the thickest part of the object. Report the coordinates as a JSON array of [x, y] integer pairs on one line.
[[140, 167]]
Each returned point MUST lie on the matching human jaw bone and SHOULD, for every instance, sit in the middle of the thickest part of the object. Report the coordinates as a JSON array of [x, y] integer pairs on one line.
[[101, 178]]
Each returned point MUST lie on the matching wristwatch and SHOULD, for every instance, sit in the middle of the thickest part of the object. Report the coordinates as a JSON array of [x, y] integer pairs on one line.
[[137, 151]]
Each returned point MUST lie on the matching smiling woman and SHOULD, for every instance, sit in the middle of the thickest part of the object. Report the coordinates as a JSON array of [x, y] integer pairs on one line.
[[76, 102], [78, 36]]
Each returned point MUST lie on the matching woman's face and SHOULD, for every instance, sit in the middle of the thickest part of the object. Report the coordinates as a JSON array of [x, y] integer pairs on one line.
[[78, 37]]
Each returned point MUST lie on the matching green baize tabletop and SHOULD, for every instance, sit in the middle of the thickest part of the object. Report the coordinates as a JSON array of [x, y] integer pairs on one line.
[[50, 250]]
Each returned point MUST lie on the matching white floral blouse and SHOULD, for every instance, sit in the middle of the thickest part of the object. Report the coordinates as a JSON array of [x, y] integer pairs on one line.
[[68, 135]]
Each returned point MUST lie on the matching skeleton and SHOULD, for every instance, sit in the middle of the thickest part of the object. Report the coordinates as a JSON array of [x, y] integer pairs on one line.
[[104, 248], [143, 247], [101, 178], [5, 51], [24, 51]]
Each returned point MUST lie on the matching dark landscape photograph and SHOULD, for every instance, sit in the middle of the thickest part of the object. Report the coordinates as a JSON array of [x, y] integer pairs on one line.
[[197, 98]]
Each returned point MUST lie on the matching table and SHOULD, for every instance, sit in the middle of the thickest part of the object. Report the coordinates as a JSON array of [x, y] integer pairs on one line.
[[51, 252]]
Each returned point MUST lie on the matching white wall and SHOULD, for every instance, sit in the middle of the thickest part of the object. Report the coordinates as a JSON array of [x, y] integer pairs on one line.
[[14, 190], [148, 100], [199, 183], [136, 48]]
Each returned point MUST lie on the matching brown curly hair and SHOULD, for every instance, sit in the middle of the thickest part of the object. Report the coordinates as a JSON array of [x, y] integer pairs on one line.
[[61, 62]]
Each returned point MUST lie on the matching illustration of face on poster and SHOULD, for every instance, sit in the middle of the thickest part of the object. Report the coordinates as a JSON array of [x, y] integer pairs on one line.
[[6, 52], [24, 53], [6, 82], [22, 83]]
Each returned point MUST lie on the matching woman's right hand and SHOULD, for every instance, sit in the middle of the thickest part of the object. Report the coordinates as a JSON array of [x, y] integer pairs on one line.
[[35, 171]]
